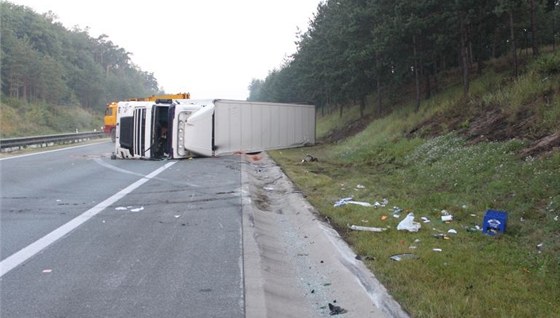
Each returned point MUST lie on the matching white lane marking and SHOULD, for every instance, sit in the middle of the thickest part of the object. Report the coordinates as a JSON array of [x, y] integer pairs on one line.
[[54, 150], [101, 162], [29, 251]]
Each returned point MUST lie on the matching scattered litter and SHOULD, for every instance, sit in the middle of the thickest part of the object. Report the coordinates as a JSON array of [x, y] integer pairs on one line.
[[366, 228], [336, 310], [452, 231], [425, 219], [397, 212], [365, 258], [437, 249], [381, 204], [464, 206], [472, 214], [401, 257], [441, 236], [349, 200], [383, 217], [359, 186], [309, 158], [365, 221], [556, 218], [269, 188], [177, 216], [47, 271], [137, 209], [494, 222], [120, 208], [475, 228], [408, 224], [58, 200], [446, 216], [539, 247]]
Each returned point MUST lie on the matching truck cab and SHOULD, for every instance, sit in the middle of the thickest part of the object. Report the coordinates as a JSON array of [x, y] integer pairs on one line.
[[152, 130]]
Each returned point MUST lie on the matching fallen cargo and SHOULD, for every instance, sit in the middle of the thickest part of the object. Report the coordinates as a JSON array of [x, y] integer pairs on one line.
[[184, 128]]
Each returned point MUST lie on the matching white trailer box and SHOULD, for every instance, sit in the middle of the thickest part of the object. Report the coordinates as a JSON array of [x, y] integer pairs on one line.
[[211, 127]]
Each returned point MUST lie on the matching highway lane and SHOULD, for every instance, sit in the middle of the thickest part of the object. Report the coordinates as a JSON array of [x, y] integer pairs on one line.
[[169, 248]]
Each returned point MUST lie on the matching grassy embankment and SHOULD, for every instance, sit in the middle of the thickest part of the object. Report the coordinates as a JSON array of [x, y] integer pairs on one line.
[[447, 165], [21, 119]]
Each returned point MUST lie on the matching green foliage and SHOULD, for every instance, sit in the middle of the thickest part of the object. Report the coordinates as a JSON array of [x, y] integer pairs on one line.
[[44, 62], [548, 64], [356, 48], [19, 119]]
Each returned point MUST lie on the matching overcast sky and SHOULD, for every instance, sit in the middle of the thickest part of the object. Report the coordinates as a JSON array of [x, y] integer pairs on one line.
[[210, 48]]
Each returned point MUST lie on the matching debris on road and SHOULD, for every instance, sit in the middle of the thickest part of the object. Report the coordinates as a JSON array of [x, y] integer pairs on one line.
[[349, 200], [336, 310], [366, 228], [408, 224], [446, 216], [309, 158], [402, 257]]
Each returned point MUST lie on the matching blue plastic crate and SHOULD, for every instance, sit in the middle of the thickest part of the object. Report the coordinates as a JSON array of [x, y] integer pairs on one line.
[[494, 222]]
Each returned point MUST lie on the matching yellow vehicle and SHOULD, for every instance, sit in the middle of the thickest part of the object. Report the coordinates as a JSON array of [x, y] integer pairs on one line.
[[110, 119]]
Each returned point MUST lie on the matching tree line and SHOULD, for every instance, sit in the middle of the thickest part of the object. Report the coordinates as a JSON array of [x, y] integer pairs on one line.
[[43, 61], [386, 48]]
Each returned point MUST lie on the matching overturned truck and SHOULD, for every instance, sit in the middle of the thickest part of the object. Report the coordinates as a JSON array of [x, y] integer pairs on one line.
[[184, 128]]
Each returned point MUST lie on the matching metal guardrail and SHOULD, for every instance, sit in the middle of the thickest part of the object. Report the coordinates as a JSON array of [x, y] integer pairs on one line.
[[11, 144]]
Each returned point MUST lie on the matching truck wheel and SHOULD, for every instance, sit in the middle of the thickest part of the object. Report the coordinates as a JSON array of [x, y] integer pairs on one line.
[[113, 135]]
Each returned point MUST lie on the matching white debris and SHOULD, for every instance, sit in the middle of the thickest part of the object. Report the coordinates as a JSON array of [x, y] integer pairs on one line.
[[120, 208], [137, 209], [408, 224], [367, 228], [349, 200]]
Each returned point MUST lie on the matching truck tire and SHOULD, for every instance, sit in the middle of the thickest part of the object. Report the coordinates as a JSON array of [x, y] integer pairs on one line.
[[113, 135]]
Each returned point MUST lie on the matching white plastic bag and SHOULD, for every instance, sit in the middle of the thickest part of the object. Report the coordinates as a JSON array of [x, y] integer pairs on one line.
[[408, 224]]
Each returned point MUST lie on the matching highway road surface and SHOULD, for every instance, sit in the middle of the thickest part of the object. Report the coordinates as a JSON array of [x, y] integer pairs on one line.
[[82, 235]]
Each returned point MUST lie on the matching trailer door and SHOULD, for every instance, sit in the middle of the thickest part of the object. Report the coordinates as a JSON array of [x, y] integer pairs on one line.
[[198, 130]]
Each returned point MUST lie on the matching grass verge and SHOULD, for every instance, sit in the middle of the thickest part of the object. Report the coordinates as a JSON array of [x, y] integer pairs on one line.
[[467, 274]]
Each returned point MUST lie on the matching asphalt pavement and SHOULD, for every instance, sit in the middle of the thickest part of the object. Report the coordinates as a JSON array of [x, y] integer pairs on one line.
[[168, 246], [82, 235]]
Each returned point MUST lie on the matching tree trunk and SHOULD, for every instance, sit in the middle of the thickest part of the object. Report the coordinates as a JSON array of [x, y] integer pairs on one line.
[[534, 42], [513, 48], [464, 58], [416, 78], [379, 101], [428, 84], [378, 84], [362, 105]]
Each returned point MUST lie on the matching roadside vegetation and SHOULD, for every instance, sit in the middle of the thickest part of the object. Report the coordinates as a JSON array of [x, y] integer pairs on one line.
[[18, 118], [496, 149]]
